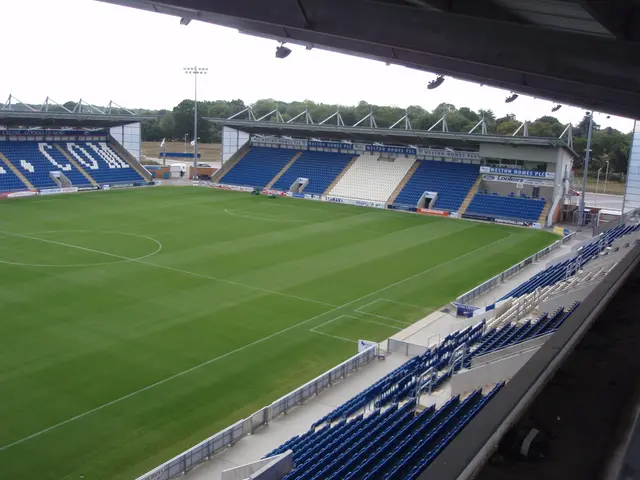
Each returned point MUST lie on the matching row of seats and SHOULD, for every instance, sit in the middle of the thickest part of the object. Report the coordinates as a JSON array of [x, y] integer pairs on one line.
[[452, 181], [258, 167], [394, 443], [506, 207], [321, 168], [559, 271], [372, 178], [511, 334], [35, 161], [9, 181]]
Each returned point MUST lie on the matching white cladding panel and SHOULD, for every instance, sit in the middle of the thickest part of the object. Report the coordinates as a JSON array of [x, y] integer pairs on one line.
[[632, 193], [129, 137]]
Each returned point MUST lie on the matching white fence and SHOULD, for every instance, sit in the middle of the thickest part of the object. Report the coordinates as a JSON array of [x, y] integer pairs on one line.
[[184, 462], [492, 282]]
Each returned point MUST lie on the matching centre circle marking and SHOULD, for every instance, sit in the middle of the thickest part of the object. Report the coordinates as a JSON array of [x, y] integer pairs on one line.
[[79, 247]]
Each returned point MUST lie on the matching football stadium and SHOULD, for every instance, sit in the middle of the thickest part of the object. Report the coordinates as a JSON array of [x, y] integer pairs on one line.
[[323, 301]]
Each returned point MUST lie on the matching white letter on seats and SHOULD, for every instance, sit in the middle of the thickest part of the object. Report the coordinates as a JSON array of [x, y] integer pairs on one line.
[[43, 150], [108, 155], [90, 163]]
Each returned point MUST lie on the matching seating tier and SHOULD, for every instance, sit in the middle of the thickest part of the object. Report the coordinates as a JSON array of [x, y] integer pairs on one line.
[[506, 207], [372, 178], [258, 167], [452, 181], [321, 168]]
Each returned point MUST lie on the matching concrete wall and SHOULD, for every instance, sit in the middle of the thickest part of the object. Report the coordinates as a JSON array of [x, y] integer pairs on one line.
[[491, 373], [272, 468], [567, 299], [509, 351]]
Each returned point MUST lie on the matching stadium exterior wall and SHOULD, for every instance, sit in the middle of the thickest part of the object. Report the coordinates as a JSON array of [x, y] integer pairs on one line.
[[184, 462]]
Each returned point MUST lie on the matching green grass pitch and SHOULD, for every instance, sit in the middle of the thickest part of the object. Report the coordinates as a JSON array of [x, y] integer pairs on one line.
[[135, 324]]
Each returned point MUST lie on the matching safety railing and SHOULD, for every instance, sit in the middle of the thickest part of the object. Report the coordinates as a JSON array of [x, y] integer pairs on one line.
[[184, 462]]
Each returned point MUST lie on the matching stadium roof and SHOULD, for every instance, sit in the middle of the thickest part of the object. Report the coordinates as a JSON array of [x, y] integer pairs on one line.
[[578, 52], [12, 118], [420, 138]]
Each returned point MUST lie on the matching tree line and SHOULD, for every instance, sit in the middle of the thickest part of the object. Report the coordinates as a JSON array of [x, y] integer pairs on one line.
[[608, 144]]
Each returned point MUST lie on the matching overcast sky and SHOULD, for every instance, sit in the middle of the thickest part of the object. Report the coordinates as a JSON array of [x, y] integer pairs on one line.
[[71, 49]]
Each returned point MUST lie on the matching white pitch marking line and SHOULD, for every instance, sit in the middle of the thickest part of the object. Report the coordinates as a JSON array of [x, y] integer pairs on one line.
[[380, 323], [384, 318], [266, 219], [330, 321], [407, 304], [335, 336], [248, 345], [186, 272]]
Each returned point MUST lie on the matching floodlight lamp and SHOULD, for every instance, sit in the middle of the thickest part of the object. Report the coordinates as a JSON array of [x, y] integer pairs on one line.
[[556, 108], [435, 83], [282, 51], [185, 21], [511, 97]]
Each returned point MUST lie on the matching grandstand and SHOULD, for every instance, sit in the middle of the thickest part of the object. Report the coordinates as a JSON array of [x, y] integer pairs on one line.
[[471, 176], [44, 165]]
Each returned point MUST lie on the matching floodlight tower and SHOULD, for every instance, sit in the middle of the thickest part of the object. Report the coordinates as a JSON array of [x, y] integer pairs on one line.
[[195, 71]]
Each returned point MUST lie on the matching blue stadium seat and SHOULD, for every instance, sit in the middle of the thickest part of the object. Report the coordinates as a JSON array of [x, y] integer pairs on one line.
[[9, 181], [452, 181], [321, 168], [102, 162], [35, 160], [258, 167], [506, 207]]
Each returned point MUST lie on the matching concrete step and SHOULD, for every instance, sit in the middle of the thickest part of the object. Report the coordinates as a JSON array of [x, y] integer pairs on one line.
[[130, 159], [284, 169], [470, 194]]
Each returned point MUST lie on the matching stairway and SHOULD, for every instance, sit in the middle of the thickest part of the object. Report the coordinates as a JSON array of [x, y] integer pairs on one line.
[[545, 212], [19, 174], [77, 165], [402, 183], [229, 164], [339, 177], [281, 172], [130, 159], [467, 200]]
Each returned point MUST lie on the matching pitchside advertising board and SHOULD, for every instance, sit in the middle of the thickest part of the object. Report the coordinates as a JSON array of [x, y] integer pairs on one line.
[[536, 182], [30, 193], [357, 203]]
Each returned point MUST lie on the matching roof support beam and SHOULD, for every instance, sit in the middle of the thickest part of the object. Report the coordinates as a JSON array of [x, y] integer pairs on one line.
[[620, 17], [473, 8]]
